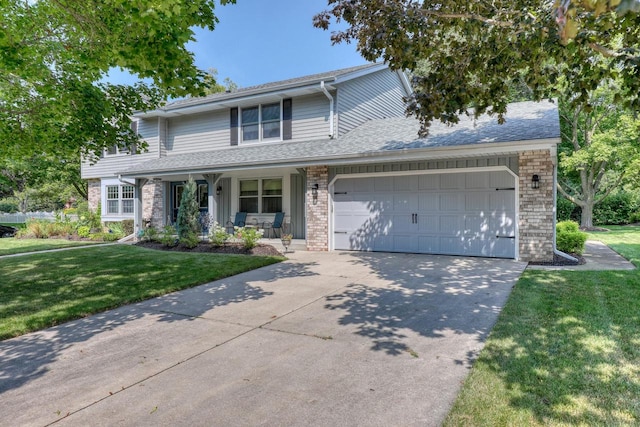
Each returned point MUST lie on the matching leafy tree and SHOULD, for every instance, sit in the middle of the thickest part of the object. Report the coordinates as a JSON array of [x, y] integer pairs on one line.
[[211, 79], [189, 211], [55, 53], [472, 49], [600, 150]]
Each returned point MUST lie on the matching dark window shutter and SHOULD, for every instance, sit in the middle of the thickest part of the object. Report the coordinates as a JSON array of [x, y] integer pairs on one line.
[[287, 113], [234, 126]]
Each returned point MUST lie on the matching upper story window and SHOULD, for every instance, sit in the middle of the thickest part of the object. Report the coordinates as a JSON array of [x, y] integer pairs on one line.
[[261, 122], [120, 199], [116, 149]]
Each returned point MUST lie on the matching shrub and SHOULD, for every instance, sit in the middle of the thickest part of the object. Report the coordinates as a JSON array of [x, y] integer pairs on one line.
[[248, 236], [188, 221], [36, 228], [615, 209], [218, 235], [127, 226], [168, 236], [9, 206], [107, 237], [567, 211], [84, 231], [569, 238], [634, 217], [190, 240], [150, 234]]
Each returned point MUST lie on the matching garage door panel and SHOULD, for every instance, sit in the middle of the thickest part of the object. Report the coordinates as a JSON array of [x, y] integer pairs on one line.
[[454, 213]]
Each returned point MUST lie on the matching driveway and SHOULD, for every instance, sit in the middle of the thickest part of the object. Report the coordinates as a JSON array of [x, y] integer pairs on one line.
[[321, 339]]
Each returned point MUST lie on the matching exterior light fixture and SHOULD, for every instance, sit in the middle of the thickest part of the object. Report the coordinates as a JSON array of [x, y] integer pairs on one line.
[[535, 181], [314, 189], [218, 190]]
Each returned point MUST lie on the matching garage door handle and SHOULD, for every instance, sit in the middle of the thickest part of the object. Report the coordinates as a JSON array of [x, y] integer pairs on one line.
[[505, 237], [340, 232], [339, 192]]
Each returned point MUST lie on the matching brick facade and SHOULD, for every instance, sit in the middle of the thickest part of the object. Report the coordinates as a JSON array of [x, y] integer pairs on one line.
[[536, 219], [153, 203], [93, 194], [318, 209]]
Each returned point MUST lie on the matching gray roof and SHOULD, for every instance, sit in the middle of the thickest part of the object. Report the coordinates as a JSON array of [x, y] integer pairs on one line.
[[298, 81], [525, 121]]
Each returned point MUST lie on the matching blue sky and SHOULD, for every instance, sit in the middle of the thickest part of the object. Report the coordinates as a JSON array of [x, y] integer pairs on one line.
[[260, 41]]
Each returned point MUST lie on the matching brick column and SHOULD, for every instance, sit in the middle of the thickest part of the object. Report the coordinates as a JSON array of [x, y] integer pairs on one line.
[[318, 209], [152, 203], [536, 219], [93, 194]]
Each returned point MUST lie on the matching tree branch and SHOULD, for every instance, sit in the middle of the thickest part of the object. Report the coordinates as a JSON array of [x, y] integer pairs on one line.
[[569, 197], [610, 189]]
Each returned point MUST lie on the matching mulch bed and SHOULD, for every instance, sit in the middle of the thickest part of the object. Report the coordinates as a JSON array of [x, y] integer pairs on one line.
[[562, 261], [229, 248]]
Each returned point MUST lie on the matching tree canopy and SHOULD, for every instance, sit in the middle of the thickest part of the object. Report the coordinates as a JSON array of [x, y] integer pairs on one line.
[[54, 55], [472, 50]]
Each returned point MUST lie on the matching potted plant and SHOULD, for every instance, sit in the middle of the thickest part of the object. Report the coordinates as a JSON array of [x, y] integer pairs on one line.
[[286, 240]]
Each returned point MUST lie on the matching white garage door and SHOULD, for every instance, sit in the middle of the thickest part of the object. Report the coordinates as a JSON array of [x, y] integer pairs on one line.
[[470, 213]]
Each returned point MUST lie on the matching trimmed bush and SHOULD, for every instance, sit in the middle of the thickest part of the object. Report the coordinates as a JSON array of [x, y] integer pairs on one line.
[[248, 236], [634, 217], [615, 209], [569, 238], [218, 235], [567, 211]]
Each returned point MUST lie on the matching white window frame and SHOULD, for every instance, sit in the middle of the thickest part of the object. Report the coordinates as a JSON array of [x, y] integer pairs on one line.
[[121, 199], [260, 195], [260, 124], [114, 150]]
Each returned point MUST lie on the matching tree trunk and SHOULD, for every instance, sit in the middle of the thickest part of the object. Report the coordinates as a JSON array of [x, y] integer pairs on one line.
[[586, 217]]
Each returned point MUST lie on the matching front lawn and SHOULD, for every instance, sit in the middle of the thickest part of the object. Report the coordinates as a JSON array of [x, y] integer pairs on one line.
[[565, 350], [12, 245], [42, 290]]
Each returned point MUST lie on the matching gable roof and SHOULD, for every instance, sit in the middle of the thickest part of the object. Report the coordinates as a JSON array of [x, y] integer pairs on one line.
[[389, 139], [285, 87]]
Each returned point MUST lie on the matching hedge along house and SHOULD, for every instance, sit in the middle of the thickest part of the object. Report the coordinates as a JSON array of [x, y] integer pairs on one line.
[[335, 152]]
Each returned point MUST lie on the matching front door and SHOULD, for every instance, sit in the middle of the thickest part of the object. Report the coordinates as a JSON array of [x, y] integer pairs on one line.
[[202, 195]]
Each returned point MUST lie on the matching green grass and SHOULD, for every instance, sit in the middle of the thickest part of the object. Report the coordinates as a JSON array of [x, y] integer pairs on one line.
[[42, 290], [565, 350], [12, 245]]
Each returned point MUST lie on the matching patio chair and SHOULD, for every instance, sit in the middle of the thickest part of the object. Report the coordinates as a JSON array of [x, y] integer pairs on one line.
[[277, 224], [239, 221]]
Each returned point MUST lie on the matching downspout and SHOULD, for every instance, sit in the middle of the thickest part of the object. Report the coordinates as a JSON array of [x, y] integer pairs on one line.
[[555, 216], [328, 95]]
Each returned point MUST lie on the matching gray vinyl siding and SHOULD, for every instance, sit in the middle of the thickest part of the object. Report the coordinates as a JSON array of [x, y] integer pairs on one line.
[[310, 117], [199, 132], [373, 96], [108, 166], [224, 201], [298, 189], [510, 162]]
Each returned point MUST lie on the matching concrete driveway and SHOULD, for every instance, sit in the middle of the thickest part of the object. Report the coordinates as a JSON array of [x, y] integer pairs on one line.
[[322, 339]]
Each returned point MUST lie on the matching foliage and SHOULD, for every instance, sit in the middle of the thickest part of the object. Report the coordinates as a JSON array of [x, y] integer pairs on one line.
[[188, 221], [249, 236], [567, 211], [104, 237], [8, 206], [189, 240], [36, 293], [634, 217], [55, 55], [84, 231], [569, 238], [599, 152], [615, 209], [127, 226], [150, 234], [218, 235], [168, 236], [469, 47]]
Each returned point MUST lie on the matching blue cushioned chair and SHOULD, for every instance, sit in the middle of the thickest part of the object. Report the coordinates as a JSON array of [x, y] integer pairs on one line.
[[239, 221], [275, 226]]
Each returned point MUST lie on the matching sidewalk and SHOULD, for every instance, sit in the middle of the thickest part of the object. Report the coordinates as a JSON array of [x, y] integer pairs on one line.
[[598, 256]]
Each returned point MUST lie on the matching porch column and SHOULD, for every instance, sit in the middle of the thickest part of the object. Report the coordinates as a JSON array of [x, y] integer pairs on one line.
[[317, 207], [536, 205], [137, 207]]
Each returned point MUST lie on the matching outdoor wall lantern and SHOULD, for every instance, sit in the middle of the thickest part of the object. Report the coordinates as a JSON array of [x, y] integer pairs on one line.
[[218, 190], [314, 192], [535, 181]]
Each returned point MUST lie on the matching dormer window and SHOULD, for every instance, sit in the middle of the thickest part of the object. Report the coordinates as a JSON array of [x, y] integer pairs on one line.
[[261, 123]]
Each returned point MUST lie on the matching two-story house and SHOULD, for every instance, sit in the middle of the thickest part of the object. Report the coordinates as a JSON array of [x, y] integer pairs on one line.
[[335, 152]]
